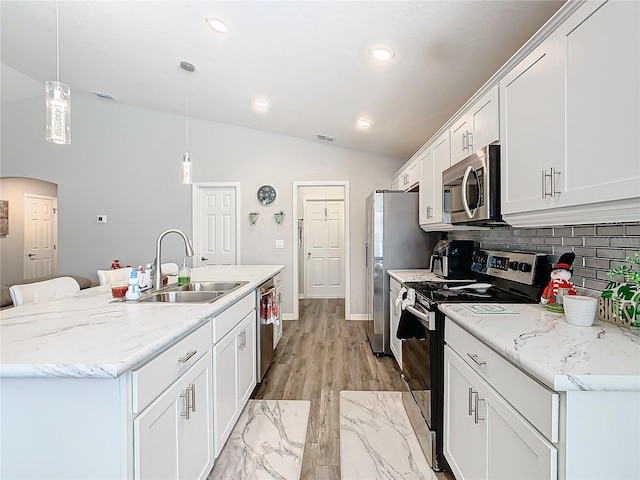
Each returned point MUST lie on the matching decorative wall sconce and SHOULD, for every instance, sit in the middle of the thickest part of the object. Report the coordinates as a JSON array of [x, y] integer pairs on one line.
[[253, 217], [279, 216]]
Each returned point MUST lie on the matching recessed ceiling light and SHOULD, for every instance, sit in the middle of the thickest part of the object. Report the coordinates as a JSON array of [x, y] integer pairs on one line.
[[364, 123], [382, 53], [261, 104], [217, 24]]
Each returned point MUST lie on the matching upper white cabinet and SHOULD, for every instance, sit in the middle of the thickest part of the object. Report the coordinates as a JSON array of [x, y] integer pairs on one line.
[[477, 128], [408, 178], [395, 183], [436, 159], [570, 122]]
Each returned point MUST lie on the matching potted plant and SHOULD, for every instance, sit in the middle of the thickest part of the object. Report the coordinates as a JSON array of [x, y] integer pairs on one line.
[[624, 298]]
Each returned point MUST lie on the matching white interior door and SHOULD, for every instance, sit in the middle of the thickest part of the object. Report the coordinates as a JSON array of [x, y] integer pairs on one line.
[[324, 247], [216, 224], [40, 236]]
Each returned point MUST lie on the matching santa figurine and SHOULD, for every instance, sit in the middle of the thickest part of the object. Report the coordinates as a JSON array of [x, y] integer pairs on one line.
[[559, 284]]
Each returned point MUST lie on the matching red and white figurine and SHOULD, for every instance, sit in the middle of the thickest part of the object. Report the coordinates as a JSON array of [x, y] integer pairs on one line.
[[560, 276]]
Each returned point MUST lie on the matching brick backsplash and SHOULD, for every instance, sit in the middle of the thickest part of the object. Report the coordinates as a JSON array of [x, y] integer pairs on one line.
[[598, 248]]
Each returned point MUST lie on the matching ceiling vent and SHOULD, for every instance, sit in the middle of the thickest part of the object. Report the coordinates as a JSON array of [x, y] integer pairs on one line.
[[106, 96], [325, 138]]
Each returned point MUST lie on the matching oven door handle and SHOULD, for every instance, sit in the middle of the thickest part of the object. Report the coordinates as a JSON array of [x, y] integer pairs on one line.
[[426, 319]]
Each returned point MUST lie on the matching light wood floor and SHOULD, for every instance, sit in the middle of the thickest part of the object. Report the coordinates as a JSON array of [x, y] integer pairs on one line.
[[319, 355]]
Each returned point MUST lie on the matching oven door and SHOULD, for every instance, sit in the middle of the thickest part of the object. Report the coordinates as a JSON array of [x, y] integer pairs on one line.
[[419, 359]]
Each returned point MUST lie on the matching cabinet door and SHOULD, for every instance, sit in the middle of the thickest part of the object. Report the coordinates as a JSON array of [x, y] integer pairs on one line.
[[277, 328], [426, 187], [483, 121], [196, 446], [441, 161], [225, 393], [465, 446], [459, 142], [413, 173], [532, 115], [395, 183], [156, 438], [246, 359], [395, 344], [601, 47]]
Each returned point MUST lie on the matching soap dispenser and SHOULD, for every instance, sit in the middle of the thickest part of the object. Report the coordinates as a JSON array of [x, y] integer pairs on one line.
[[133, 293], [184, 275]]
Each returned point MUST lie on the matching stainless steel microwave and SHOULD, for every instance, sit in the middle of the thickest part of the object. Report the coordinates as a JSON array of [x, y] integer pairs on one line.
[[471, 189]]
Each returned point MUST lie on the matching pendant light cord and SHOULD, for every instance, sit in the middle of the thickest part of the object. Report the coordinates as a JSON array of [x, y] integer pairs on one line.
[[57, 47], [186, 125]]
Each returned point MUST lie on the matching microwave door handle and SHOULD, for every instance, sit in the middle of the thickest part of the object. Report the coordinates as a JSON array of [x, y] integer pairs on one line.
[[465, 200]]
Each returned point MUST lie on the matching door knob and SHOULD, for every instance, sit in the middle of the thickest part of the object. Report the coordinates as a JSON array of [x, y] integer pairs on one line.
[[31, 255], [308, 254], [204, 259]]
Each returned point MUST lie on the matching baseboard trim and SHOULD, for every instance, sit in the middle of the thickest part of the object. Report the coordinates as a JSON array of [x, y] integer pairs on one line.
[[358, 316], [287, 316]]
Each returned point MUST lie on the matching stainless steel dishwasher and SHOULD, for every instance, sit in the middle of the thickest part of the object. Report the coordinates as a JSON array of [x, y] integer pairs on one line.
[[267, 313]]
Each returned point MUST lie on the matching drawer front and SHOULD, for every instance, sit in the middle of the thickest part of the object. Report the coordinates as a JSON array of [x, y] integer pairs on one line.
[[394, 285], [538, 404], [278, 280], [232, 316], [150, 380]]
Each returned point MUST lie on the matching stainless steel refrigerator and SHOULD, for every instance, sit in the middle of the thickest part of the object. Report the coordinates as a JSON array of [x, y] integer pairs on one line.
[[395, 241]]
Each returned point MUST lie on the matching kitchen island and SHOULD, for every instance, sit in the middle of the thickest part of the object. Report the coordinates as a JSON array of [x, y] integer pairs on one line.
[[527, 392], [92, 388]]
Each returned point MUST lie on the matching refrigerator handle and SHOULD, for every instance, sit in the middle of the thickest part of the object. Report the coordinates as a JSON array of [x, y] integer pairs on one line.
[[366, 255]]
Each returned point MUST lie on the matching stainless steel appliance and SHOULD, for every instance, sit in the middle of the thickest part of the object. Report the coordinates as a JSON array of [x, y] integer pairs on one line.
[[452, 259], [514, 278], [471, 189], [264, 334], [394, 241]]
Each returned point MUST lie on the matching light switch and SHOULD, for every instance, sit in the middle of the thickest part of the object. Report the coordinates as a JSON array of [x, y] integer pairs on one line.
[[279, 243]]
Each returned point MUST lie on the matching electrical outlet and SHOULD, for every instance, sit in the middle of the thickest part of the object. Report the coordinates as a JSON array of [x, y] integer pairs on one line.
[[279, 243], [102, 219]]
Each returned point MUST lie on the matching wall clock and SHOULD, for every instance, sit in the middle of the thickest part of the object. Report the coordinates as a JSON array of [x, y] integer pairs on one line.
[[266, 194]]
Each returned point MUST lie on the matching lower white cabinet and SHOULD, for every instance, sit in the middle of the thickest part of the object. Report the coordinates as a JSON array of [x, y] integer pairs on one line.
[[485, 438], [173, 437], [394, 315], [234, 363], [277, 327]]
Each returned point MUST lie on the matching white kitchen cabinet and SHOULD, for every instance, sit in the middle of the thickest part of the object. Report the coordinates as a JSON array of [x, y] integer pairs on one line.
[[477, 128], [409, 177], [569, 113], [395, 344], [277, 327], [436, 159], [173, 437], [234, 363], [485, 438], [395, 183]]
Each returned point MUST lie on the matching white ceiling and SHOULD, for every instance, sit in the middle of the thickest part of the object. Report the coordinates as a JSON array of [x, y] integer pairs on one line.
[[309, 59]]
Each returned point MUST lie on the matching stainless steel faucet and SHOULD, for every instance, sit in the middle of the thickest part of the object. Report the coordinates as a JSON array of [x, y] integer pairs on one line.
[[157, 281]]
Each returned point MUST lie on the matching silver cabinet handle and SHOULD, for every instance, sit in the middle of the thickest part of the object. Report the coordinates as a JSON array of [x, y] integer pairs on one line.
[[474, 357], [472, 392], [185, 395], [464, 141], [469, 141], [186, 358], [476, 416], [544, 184], [554, 192], [193, 397], [204, 259]]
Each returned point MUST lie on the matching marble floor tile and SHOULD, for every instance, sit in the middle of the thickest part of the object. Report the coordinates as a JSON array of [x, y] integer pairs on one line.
[[266, 443], [376, 439]]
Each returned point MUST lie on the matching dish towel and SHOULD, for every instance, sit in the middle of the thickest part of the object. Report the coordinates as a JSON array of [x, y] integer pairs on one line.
[[409, 325], [269, 309]]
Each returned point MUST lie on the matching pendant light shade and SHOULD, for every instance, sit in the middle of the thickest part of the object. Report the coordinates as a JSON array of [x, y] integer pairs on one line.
[[58, 109], [58, 103], [186, 158], [186, 168]]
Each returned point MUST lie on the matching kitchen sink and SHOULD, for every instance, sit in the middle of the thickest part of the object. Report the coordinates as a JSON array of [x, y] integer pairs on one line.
[[209, 286], [183, 297], [197, 292]]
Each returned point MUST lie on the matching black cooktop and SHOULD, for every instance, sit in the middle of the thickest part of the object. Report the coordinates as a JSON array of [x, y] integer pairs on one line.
[[439, 292]]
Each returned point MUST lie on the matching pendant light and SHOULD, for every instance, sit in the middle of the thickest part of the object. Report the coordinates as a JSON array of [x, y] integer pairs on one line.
[[58, 103], [186, 158]]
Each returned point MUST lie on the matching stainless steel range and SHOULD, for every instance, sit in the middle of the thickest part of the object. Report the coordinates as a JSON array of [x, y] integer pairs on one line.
[[500, 277]]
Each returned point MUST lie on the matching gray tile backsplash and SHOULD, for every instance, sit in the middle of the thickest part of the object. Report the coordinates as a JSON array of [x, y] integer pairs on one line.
[[598, 248]]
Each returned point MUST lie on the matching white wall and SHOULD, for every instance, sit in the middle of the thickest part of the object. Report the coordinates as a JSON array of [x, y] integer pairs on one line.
[[124, 162]]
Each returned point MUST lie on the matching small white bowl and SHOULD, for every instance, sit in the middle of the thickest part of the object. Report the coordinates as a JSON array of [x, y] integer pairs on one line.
[[580, 310]]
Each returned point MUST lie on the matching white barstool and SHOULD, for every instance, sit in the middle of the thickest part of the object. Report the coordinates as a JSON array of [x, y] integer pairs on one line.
[[42, 291], [118, 276]]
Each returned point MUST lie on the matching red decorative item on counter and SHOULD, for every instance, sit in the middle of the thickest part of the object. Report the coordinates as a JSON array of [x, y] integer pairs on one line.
[[560, 276], [115, 264]]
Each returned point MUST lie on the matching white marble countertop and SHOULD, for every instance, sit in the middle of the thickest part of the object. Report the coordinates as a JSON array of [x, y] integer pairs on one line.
[[88, 336], [562, 356], [419, 275]]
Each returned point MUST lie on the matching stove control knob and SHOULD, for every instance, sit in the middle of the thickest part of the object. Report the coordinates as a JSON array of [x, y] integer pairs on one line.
[[513, 265], [524, 267]]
